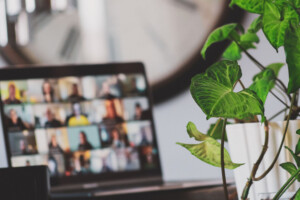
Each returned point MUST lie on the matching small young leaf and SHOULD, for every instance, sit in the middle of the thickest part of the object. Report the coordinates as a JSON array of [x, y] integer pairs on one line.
[[276, 22], [209, 151], [215, 130], [292, 51], [296, 158], [254, 6], [263, 83], [256, 25], [218, 35], [193, 132], [233, 52], [275, 67], [213, 92], [290, 168]]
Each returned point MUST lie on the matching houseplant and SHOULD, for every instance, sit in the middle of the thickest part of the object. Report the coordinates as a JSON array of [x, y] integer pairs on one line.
[[214, 93]]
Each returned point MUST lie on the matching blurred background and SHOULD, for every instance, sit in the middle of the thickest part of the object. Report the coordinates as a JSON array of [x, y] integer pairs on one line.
[[166, 35]]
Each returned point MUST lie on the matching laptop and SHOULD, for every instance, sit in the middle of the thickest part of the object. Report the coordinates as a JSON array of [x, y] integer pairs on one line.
[[92, 125]]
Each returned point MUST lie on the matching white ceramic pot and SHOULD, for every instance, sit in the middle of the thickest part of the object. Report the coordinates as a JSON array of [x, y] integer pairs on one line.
[[245, 144]]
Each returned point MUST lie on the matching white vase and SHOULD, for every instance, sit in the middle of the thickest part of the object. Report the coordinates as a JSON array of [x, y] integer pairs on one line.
[[245, 145]]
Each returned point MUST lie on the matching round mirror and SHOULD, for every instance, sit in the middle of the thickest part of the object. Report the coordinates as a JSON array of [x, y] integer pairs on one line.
[[166, 35]]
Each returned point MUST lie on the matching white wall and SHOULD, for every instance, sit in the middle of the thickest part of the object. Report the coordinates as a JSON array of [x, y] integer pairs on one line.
[[172, 117]]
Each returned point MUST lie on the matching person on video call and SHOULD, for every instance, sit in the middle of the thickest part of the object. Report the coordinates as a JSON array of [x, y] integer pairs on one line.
[[54, 147], [12, 99], [77, 118], [118, 139], [51, 121], [75, 96], [84, 144], [111, 113], [48, 92], [14, 121], [106, 91]]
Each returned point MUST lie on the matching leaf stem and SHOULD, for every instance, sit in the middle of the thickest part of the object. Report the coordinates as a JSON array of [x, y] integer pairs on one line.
[[286, 186], [261, 67], [215, 127], [279, 99], [222, 160], [283, 110], [281, 144], [241, 83], [257, 163]]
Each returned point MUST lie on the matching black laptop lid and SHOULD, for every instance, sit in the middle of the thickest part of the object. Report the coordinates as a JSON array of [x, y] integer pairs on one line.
[[88, 123]]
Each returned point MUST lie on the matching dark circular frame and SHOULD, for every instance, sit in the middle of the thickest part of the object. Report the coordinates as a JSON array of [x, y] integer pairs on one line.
[[176, 82]]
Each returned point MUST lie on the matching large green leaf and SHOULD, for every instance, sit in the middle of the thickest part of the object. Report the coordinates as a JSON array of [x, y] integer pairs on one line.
[[263, 83], [215, 130], [218, 35], [254, 6], [296, 158], [276, 22], [290, 168], [213, 92], [297, 197], [292, 51], [209, 150]]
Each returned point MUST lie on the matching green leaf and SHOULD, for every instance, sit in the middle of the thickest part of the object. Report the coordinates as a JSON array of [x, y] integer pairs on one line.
[[213, 92], [297, 197], [249, 38], [296, 158], [215, 130], [297, 148], [218, 35], [233, 52], [292, 51], [290, 168], [253, 6], [256, 25], [263, 83], [275, 67], [209, 150], [193, 132], [276, 22], [298, 131]]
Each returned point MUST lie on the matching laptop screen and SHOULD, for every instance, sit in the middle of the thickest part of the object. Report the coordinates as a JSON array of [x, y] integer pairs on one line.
[[87, 123]]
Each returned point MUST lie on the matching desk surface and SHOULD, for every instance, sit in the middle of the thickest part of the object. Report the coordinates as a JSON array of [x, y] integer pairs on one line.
[[188, 193]]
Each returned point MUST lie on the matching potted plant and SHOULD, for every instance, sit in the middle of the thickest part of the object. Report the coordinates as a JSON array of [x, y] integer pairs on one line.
[[214, 90]]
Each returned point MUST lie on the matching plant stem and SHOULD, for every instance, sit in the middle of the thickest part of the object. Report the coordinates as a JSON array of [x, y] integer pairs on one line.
[[287, 184], [241, 83], [257, 163], [281, 144], [222, 160], [280, 85], [279, 99], [283, 110], [215, 127]]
